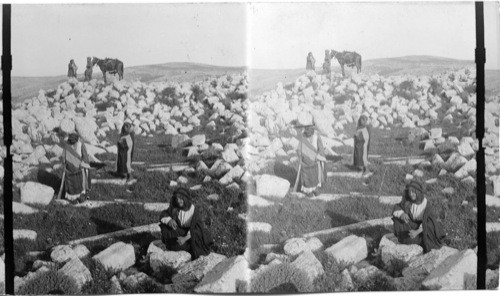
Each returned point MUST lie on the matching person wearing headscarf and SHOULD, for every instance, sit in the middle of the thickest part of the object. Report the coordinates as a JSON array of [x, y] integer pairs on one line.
[[72, 69], [414, 219], [312, 159], [88, 70], [182, 226], [361, 144], [125, 152], [327, 63], [77, 181], [310, 62]]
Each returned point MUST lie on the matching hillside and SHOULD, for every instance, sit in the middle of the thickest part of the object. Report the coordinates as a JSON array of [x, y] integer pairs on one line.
[[263, 79], [28, 87]]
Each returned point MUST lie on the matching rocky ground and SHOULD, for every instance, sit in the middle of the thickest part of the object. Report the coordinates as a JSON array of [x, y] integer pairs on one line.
[[422, 128], [209, 136], [187, 134]]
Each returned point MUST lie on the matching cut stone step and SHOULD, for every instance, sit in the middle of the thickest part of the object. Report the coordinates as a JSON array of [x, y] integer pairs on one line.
[[385, 222]]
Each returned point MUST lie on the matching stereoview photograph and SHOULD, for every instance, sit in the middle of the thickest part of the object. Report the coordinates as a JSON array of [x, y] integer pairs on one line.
[[251, 147]]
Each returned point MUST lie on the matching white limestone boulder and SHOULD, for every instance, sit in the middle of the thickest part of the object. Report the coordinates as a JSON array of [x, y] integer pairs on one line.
[[451, 273], [160, 260], [224, 277], [351, 249], [309, 264], [118, 256], [76, 270], [197, 269], [423, 265], [269, 185], [36, 193]]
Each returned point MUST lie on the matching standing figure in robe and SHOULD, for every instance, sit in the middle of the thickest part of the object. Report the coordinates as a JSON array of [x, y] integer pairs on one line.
[[362, 145], [312, 173], [125, 153], [72, 69], [310, 62], [77, 180]]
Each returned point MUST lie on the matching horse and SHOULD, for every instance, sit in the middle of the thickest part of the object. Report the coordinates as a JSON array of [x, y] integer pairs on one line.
[[112, 66], [348, 58]]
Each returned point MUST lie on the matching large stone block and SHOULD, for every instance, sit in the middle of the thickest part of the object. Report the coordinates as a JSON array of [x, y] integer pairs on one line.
[[197, 269], [62, 254], [451, 273], [269, 185], [160, 260], [351, 249], [294, 246], [423, 265], [310, 264], [78, 271], [224, 277], [36, 193], [118, 256]]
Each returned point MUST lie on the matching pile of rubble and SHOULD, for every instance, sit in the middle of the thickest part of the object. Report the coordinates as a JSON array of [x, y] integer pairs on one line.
[[213, 273], [443, 269]]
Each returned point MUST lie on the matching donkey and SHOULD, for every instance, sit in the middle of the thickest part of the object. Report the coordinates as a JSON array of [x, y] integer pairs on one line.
[[348, 58], [112, 66]]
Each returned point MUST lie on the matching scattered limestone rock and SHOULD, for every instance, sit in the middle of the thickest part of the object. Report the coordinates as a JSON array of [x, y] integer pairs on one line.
[[36, 193], [24, 234], [451, 273], [269, 185], [390, 251], [118, 256], [197, 269], [76, 270], [224, 276], [310, 264], [62, 254], [351, 249], [159, 260], [294, 246], [423, 265]]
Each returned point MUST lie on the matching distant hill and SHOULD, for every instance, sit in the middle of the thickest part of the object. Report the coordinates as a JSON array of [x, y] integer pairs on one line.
[[260, 79], [27, 87]]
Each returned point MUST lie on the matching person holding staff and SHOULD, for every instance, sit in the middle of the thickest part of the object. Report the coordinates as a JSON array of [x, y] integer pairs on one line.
[[312, 159], [76, 178]]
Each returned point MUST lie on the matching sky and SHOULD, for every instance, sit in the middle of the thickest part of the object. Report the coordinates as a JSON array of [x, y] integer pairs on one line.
[[275, 35], [46, 37], [375, 30]]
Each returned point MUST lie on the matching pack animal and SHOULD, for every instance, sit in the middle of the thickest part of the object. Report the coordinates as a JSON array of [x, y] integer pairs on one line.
[[347, 58], [112, 66]]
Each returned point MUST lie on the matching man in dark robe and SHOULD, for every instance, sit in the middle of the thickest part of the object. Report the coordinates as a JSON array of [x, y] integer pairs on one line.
[[361, 145], [183, 228], [88, 71], [125, 152], [72, 69], [327, 63], [414, 220], [310, 62]]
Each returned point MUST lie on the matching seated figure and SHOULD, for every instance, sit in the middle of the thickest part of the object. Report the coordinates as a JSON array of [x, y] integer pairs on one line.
[[183, 228], [414, 220]]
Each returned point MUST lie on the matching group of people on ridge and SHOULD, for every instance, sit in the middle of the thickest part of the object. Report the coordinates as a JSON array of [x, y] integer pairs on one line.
[[72, 68], [311, 61], [413, 218]]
